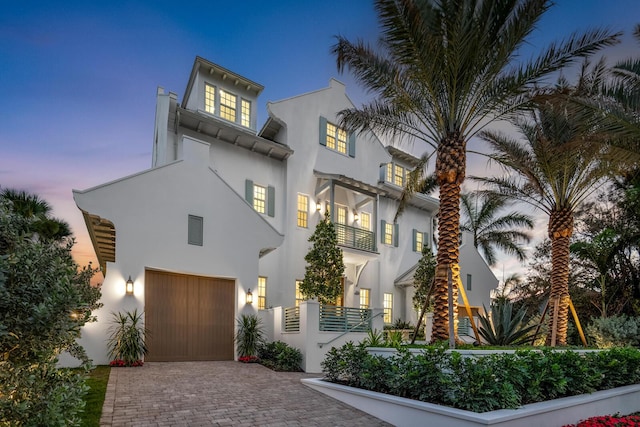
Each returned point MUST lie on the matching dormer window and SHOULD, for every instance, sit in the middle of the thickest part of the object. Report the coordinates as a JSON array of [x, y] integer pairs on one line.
[[224, 104], [227, 106]]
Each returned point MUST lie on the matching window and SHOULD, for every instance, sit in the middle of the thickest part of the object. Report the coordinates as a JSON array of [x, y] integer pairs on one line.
[[468, 282], [227, 106], [420, 239], [303, 210], [389, 172], [245, 116], [259, 198], [262, 293], [398, 175], [341, 214], [337, 138], [195, 230], [388, 234], [331, 136], [364, 298], [263, 199], [209, 98], [299, 297], [365, 221], [387, 305]]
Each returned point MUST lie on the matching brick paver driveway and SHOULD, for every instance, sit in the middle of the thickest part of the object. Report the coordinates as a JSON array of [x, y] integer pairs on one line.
[[220, 394]]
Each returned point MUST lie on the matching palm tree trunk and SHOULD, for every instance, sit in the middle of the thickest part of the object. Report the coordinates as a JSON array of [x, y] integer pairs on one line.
[[450, 170], [560, 231]]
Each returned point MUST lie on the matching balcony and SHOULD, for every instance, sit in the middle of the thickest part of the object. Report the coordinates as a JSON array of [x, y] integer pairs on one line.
[[355, 238]]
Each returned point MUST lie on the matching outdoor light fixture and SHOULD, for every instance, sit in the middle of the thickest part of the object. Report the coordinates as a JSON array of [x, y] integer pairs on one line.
[[355, 215], [129, 286], [249, 297], [318, 205]]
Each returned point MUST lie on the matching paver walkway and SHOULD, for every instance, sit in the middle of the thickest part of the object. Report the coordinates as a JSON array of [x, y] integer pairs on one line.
[[220, 394]]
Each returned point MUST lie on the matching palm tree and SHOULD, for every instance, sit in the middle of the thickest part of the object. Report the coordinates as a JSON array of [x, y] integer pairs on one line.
[[490, 231], [31, 206], [446, 69], [561, 159]]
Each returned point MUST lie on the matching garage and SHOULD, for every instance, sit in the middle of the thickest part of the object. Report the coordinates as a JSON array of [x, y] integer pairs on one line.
[[188, 317]]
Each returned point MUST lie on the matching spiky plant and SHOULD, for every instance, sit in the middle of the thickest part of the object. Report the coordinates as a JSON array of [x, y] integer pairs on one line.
[[501, 326]]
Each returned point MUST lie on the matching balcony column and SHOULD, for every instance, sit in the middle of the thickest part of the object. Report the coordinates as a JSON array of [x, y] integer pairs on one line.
[[332, 194]]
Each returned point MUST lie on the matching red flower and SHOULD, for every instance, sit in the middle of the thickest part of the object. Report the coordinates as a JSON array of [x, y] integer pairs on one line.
[[609, 421], [248, 359]]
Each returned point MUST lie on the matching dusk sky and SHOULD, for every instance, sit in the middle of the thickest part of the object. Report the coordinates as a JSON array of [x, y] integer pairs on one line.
[[78, 78]]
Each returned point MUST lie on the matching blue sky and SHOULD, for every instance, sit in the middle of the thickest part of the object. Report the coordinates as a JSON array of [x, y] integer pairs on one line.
[[78, 78]]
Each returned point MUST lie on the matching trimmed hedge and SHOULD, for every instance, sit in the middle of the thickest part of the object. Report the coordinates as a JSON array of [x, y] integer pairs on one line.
[[499, 381]]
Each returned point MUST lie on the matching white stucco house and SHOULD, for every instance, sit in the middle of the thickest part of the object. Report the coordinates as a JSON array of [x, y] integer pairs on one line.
[[226, 209]]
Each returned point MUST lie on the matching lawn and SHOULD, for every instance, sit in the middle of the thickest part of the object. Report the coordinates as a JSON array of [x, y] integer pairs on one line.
[[97, 381]]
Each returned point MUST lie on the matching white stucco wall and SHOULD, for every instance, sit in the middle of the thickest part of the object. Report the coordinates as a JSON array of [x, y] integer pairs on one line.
[[150, 213]]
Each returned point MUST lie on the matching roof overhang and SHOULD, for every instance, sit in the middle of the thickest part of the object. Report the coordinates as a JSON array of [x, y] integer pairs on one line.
[[221, 130], [103, 237], [403, 156]]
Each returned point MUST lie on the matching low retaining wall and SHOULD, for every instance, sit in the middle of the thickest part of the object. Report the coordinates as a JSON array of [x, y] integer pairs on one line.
[[400, 411]]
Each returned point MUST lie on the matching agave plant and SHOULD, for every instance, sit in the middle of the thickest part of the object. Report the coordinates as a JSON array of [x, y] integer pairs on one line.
[[127, 338], [502, 327], [250, 335]]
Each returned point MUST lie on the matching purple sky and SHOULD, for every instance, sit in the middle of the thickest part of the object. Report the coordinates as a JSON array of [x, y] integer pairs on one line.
[[78, 78]]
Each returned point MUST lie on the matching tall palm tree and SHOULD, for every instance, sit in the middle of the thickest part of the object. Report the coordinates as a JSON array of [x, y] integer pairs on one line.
[[443, 71], [561, 159], [490, 231]]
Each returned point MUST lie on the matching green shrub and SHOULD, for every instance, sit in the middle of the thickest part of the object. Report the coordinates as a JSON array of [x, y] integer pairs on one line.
[[45, 299], [374, 338], [615, 331], [250, 335], [127, 338], [485, 383], [279, 356]]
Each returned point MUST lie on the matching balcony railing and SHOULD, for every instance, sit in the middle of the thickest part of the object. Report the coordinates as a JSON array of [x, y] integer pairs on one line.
[[356, 238]]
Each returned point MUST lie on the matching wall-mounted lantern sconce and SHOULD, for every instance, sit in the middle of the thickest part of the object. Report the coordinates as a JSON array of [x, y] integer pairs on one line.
[[129, 287], [249, 297], [318, 205], [355, 215]]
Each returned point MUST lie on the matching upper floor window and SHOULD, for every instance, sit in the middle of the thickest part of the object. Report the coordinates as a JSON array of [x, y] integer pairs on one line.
[[228, 106], [341, 214], [420, 239], [259, 198], [209, 98], [394, 173], [388, 233], [303, 210], [262, 293], [468, 282], [195, 230], [245, 119], [262, 198], [365, 221], [337, 138]]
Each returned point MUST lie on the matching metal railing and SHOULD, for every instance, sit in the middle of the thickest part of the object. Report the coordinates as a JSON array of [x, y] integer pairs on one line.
[[356, 238], [292, 319], [341, 319]]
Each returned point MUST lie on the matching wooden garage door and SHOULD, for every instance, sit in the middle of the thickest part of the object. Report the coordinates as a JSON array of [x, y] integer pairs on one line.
[[188, 317]]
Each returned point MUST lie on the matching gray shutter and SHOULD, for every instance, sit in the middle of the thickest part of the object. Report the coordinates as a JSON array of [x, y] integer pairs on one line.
[[414, 242], [383, 172], [468, 282], [248, 191], [271, 201], [395, 235], [323, 131], [195, 230], [352, 145], [383, 227], [425, 240]]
